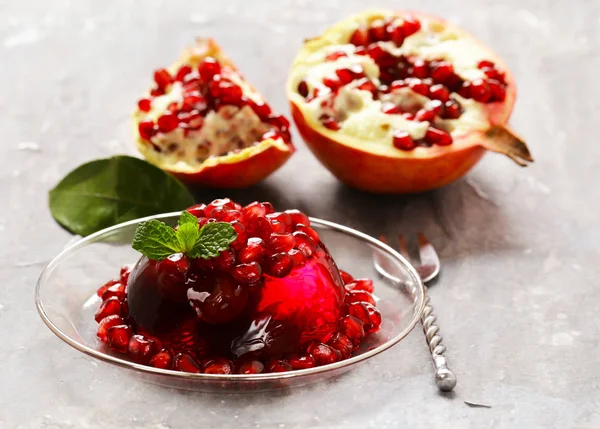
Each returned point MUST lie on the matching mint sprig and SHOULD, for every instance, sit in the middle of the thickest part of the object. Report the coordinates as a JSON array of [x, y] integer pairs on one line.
[[156, 240]]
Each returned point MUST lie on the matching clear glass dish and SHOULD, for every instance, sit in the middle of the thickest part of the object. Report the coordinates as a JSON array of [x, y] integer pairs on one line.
[[66, 300]]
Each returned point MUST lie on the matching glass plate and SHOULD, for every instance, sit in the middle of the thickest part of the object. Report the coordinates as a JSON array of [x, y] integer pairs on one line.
[[66, 300]]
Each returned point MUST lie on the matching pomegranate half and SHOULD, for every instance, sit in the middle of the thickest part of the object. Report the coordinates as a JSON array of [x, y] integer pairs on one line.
[[203, 123], [401, 102]]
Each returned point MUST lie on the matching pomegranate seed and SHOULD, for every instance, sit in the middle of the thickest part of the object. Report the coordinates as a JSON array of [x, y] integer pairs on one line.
[[497, 90], [324, 354], [230, 93], [375, 318], [329, 123], [308, 231], [494, 74], [346, 277], [360, 37], [197, 210], [303, 89], [485, 64], [408, 116], [359, 310], [218, 366], [436, 106], [410, 26], [117, 290], [105, 324], [396, 34], [390, 109], [224, 261], [382, 57], [424, 115], [162, 359], [403, 141], [298, 257], [279, 264], [301, 361], [353, 329], [439, 92], [345, 75], [282, 217], [194, 102], [304, 243], [261, 109], [141, 348], [146, 129], [167, 122], [155, 92], [230, 216], [278, 227], [465, 90], [442, 71], [367, 85], [332, 83], [342, 344], [162, 78], [296, 217], [251, 367], [259, 226], [377, 31], [108, 308], [452, 110], [276, 365], [419, 87], [184, 362], [183, 71], [118, 337], [360, 284], [209, 68], [254, 209], [145, 105], [437, 136], [420, 69], [282, 242], [225, 203], [359, 296], [335, 55], [480, 90], [125, 271], [247, 273], [105, 287], [254, 250]]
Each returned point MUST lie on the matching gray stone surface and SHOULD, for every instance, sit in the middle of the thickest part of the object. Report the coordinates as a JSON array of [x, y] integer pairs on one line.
[[518, 296]]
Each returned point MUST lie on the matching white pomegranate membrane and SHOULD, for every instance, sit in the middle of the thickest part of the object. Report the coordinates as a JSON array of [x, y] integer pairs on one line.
[[275, 301], [401, 81], [205, 111]]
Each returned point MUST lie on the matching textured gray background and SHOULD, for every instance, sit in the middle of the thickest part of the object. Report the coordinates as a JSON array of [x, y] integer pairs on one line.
[[518, 298]]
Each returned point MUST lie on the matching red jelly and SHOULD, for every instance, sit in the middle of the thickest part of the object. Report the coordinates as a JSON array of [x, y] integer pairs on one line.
[[275, 296]]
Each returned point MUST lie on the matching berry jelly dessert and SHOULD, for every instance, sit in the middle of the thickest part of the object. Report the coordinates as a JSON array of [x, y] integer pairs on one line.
[[235, 290]]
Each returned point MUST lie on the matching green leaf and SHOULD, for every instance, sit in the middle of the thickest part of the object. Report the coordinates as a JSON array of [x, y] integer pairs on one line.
[[156, 240], [213, 238], [109, 191], [186, 217]]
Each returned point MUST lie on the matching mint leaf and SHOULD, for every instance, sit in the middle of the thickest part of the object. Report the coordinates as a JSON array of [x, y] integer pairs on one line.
[[188, 231], [155, 240], [109, 191], [213, 238], [187, 217]]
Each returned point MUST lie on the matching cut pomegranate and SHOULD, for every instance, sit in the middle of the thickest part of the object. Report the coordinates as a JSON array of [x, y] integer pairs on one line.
[[206, 125], [427, 71], [277, 295]]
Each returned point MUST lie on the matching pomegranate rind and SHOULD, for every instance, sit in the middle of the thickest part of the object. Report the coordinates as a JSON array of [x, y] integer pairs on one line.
[[382, 168], [235, 170]]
